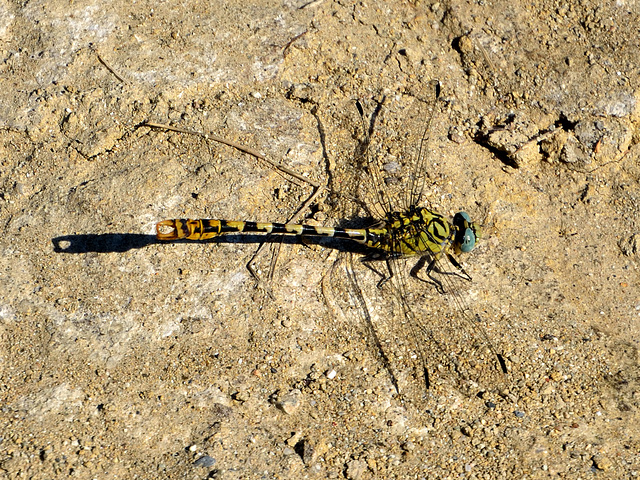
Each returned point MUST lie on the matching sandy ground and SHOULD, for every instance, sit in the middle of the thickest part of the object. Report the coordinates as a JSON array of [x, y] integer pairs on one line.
[[122, 357]]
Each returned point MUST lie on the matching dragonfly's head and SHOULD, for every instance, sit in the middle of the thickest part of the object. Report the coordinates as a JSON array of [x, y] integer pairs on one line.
[[467, 232]]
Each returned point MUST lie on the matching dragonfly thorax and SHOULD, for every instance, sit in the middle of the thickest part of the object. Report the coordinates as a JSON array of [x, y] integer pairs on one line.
[[421, 231]]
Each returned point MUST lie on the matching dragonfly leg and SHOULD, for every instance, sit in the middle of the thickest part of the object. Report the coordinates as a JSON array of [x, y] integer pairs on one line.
[[430, 268], [369, 259], [433, 267], [455, 263]]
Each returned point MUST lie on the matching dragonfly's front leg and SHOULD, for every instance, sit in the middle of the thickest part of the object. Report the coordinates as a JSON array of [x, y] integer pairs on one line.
[[455, 263], [434, 267], [430, 268]]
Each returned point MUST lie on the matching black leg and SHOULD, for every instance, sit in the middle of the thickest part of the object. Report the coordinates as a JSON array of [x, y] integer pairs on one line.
[[432, 266], [368, 260]]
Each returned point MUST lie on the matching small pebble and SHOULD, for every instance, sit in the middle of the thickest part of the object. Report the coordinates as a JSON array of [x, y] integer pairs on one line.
[[307, 451], [241, 396], [293, 440], [355, 469], [556, 376], [456, 136], [205, 461], [289, 402], [408, 446], [601, 462]]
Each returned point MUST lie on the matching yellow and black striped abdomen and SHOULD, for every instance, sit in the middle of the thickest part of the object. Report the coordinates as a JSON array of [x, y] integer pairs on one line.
[[204, 229]]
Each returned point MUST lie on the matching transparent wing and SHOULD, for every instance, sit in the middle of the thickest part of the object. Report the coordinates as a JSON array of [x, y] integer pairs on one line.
[[452, 343], [395, 152], [448, 335], [446, 340], [424, 342], [424, 338]]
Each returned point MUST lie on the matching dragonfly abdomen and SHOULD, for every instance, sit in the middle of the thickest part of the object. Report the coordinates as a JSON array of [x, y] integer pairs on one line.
[[204, 229]]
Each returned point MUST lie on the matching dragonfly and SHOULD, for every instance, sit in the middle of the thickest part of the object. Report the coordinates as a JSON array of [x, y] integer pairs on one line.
[[405, 228]]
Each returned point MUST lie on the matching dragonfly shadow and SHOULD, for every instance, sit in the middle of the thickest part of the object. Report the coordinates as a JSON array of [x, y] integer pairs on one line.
[[101, 243], [123, 242]]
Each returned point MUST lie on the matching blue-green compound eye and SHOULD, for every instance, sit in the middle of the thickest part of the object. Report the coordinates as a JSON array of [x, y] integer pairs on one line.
[[466, 237]]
